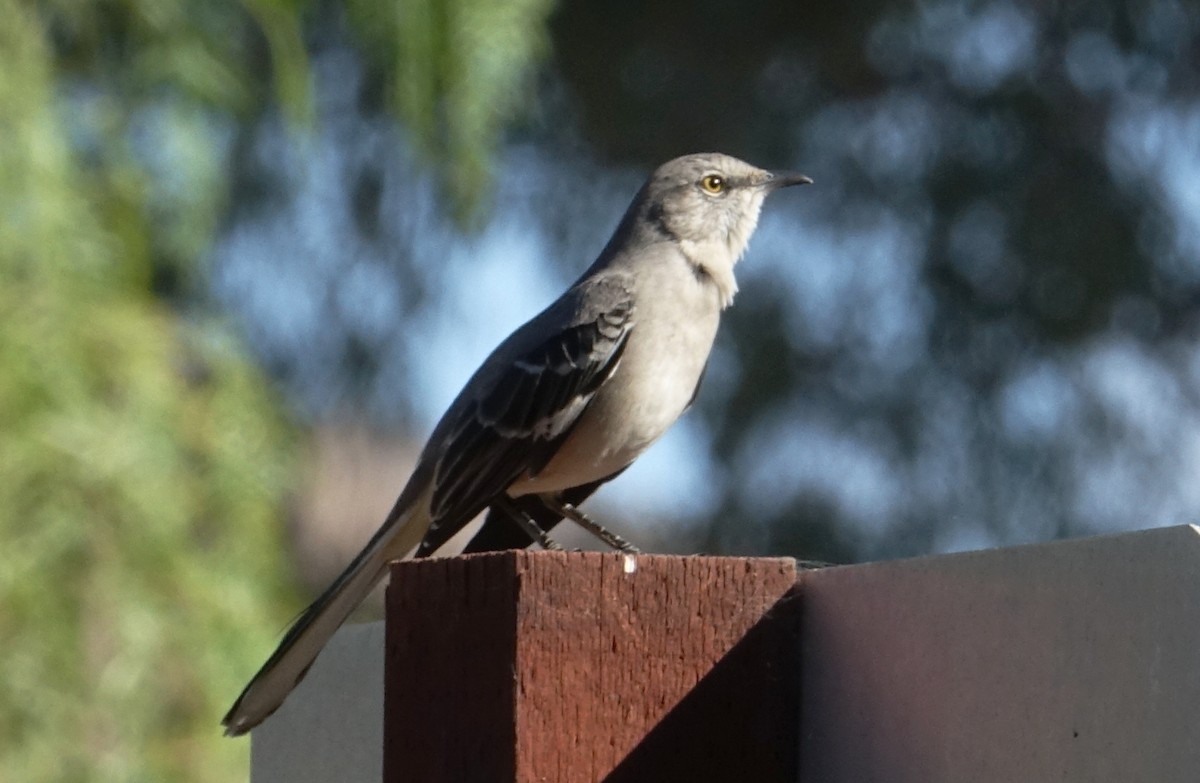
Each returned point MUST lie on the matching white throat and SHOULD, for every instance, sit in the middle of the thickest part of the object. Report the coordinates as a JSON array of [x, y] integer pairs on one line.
[[716, 260]]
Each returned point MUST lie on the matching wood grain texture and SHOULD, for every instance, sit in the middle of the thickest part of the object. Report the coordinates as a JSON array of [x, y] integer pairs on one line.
[[553, 666]]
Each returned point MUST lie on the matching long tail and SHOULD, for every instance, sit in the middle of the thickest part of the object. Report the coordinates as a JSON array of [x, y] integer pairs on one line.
[[403, 530]]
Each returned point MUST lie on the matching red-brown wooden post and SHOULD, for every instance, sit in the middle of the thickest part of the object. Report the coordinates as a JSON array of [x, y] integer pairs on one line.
[[561, 667]]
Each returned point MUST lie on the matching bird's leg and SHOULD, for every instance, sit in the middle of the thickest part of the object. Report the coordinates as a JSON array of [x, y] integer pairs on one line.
[[505, 505], [559, 506]]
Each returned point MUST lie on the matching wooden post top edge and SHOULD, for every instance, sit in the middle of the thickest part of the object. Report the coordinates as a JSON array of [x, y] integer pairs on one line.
[[525, 555]]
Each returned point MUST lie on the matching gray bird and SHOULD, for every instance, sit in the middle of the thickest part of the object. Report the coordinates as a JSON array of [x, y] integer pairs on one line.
[[564, 404]]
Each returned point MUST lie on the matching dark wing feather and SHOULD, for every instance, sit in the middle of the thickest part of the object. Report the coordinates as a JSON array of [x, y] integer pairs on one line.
[[523, 418]]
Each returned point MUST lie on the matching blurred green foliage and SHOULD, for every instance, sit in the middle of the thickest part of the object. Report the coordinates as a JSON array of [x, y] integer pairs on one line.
[[459, 73], [144, 462], [142, 466]]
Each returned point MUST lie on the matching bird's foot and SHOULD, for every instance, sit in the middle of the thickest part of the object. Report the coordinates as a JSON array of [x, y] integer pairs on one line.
[[599, 531], [533, 529]]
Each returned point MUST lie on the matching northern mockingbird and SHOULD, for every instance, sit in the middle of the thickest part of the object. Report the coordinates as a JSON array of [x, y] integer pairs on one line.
[[568, 401]]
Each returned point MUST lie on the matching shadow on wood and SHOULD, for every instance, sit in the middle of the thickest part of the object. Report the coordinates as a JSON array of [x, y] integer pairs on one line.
[[740, 722]]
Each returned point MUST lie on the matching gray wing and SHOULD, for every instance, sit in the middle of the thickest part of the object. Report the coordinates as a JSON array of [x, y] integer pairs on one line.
[[517, 425]]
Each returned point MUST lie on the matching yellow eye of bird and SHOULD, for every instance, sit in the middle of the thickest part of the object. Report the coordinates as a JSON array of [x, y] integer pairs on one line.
[[713, 183]]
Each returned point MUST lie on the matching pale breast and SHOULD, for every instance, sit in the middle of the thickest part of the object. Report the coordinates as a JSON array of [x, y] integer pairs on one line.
[[676, 321]]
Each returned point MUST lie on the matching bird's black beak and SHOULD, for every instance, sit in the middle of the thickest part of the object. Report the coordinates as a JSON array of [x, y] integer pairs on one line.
[[785, 179]]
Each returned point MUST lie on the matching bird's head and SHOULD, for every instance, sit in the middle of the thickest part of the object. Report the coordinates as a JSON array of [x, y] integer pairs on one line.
[[709, 204]]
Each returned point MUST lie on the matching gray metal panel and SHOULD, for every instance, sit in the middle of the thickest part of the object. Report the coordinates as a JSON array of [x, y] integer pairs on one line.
[[1069, 661]]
